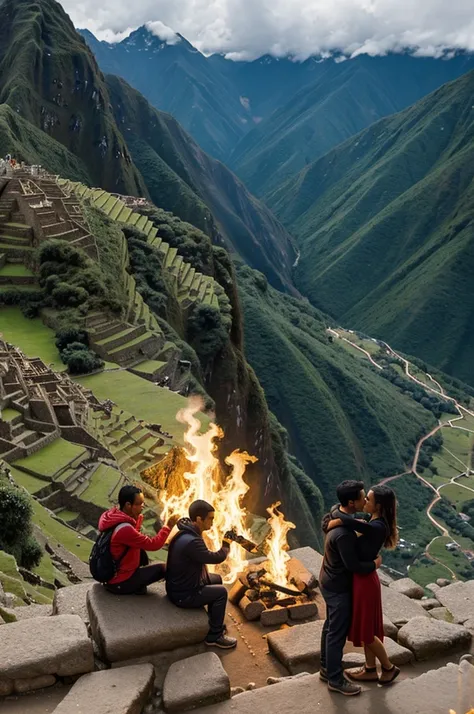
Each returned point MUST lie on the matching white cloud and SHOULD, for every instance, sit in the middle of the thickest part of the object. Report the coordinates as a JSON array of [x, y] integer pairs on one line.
[[246, 29], [163, 32]]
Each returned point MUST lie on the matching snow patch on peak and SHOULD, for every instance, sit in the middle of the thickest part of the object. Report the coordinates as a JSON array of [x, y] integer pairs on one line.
[[163, 32]]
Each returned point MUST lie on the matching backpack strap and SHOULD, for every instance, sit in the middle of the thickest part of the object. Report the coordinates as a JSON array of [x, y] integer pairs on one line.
[[126, 547]]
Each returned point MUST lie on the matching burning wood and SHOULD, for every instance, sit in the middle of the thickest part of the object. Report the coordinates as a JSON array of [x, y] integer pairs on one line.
[[255, 593]]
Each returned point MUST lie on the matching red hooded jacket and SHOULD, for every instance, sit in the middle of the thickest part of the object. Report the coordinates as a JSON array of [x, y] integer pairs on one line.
[[129, 535]]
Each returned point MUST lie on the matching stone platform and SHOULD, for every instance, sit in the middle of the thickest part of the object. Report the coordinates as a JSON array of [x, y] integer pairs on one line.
[[126, 627]]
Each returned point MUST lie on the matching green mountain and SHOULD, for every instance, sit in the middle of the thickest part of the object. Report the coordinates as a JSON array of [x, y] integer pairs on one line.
[[344, 420], [178, 79], [340, 100], [384, 224], [50, 79]]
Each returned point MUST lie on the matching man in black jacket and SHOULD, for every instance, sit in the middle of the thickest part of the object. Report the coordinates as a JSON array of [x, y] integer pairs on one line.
[[335, 579], [188, 582]]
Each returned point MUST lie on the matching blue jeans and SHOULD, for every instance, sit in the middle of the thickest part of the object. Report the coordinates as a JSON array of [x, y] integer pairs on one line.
[[335, 631]]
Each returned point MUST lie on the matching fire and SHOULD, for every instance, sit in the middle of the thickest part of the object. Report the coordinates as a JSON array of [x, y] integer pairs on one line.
[[276, 546], [205, 481]]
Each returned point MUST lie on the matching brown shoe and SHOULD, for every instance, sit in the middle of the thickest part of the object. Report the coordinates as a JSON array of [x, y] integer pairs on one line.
[[363, 675], [389, 675]]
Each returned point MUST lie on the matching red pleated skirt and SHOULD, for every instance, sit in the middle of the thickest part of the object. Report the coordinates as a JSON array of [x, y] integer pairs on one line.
[[367, 616]]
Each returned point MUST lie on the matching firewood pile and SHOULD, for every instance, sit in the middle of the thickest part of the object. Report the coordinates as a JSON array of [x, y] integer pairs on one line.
[[273, 603]]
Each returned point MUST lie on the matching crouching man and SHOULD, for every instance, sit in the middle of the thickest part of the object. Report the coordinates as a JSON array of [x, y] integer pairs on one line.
[[188, 582], [119, 550]]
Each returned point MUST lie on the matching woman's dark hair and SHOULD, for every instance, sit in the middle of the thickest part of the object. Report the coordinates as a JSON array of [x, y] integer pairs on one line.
[[349, 491], [127, 495], [386, 498], [200, 508]]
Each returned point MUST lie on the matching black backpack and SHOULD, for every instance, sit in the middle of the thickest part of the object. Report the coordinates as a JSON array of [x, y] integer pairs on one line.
[[102, 565]]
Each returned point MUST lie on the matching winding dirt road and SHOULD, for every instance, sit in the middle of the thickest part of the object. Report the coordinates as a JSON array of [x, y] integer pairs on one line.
[[462, 410]]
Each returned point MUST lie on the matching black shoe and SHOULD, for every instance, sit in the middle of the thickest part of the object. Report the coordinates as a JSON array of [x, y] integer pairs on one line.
[[344, 687], [224, 642], [323, 674]]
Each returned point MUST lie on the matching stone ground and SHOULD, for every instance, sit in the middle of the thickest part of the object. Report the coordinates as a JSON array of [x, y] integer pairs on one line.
[[242, 667]]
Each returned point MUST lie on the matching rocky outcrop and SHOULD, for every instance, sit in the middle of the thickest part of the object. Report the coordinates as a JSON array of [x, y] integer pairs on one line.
[[427, 637], [399, 608], [459, 599], [408, 587]]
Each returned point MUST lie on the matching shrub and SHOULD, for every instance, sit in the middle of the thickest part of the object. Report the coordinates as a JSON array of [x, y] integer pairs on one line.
[[16, 528], [68, 335], [207, 332], [81, 361], [68, 295]]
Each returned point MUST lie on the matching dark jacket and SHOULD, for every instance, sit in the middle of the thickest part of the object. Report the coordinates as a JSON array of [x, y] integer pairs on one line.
[[188, 555], [341, 560], [374, 534]]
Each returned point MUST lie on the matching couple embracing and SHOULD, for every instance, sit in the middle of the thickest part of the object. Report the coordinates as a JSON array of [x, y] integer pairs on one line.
[[351, 587]]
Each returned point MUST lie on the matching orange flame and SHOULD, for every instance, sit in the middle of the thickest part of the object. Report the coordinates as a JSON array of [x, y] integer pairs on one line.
[[205, 481], [276, 545]]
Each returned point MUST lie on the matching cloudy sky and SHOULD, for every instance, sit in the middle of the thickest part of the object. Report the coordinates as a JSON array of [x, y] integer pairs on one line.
[[245, 29]]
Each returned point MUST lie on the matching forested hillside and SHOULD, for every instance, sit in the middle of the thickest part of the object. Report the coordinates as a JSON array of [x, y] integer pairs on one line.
[[384, 223]]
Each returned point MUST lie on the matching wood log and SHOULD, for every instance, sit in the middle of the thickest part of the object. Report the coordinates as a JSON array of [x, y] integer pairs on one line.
[[237, 592], [252, 594], [251, 610], [300, 576]]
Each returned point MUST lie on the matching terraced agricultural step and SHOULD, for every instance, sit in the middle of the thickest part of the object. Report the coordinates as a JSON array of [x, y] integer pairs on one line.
[[16, 229], [117, 209], [124, 214], [120, 338], [134, 346], [13, 240], [109, 204], [141, 223], [170, 257], [106, 329], [53, 229], [196, 284], [25, 437], [187, 282]]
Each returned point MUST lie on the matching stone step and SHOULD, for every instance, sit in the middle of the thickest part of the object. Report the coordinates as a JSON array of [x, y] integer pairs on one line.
[[14, 240], [195, 681], [110, 343], [121, 691], [107, 329], [132, 349], [16, 229], [26, 437]]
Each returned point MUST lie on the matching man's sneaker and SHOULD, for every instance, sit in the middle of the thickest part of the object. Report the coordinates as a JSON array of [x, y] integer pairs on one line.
[[323, 674], [224, 642], [344, 687]]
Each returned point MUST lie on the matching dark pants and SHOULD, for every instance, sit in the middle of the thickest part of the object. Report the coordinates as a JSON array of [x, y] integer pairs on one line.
[[136, 585], [215, 597], [335, 631]]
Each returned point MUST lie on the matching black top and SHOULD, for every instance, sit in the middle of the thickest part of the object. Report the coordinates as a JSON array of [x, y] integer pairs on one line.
[[341, 560], [186, 571], [374, 534]]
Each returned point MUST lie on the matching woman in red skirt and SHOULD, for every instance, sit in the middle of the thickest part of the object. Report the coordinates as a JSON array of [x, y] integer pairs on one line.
[[367, 617]]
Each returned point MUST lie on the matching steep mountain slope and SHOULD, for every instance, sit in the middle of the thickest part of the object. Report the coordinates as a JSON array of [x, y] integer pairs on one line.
[[49, 78], [178, 79], [343, 419], [386, 232], [159, 147], [341, 100]]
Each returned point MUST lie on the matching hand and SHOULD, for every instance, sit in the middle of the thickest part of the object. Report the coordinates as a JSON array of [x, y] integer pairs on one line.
[[172, 521], [325, 522], [139, 522], [378, 562]]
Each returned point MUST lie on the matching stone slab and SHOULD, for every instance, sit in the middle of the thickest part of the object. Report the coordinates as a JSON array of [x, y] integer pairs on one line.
[[298, 648], [427, 637], [29, 611], [389, 629], [195, 682], [442, 613], [429, 603], [408, 587], [72, 600], [311, 559], [129, 626], [435, 692], [274, 616], [163, 660], [22, 686], [397, 654], [351, 660], [113, 691], [46, 645], [399, 608], [303, 611], [459, 599], [384, 577]]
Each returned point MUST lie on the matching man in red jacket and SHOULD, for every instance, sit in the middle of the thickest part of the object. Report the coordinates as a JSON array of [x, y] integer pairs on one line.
[[127, 542]]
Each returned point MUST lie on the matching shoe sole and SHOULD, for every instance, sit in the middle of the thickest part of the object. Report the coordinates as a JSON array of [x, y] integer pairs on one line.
[[361, 679], [341, 691], [222, 647]]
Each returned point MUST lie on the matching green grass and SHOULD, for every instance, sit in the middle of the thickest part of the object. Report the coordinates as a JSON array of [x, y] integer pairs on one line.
[[67, 515], [9, 414], [103, 481], [31, 336], [455, 560], [141, 398], [13, 583], [79, 545], [150, 366], [51, 458], [456, 495], [16, 270], [31, 483]]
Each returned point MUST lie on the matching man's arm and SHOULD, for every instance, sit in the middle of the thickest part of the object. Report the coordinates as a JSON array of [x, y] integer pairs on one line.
[[198, 551], [348, 552], [128, 535], [339, 518]]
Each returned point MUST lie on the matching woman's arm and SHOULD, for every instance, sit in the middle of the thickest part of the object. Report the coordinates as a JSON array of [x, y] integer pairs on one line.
[[351, 523]]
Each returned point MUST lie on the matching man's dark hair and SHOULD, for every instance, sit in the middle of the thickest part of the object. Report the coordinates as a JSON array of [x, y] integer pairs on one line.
[[349, 491], [127, 495], [200, 508]]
